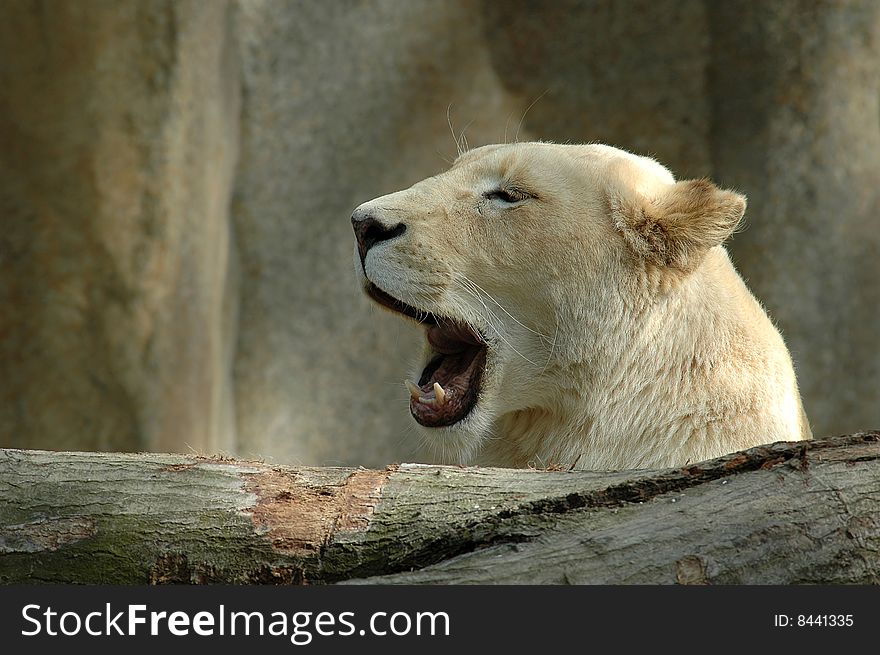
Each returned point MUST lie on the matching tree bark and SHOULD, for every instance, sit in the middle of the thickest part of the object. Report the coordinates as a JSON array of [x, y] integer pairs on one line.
[[801, 512]]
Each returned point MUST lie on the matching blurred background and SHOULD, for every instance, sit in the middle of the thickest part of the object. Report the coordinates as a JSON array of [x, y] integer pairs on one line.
[[176, 181]]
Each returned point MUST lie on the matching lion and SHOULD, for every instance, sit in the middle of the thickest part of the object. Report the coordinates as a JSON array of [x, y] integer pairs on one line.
[[579, 310]]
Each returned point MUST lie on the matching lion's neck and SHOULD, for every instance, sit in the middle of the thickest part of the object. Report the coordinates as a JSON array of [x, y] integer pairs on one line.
[[649, 395]]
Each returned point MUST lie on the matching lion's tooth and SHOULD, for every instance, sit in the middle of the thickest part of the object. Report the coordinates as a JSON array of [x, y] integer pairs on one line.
[[413, 389], [440, 394]]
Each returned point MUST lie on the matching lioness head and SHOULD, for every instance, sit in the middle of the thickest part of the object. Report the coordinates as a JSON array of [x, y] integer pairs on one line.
[[533, 268]]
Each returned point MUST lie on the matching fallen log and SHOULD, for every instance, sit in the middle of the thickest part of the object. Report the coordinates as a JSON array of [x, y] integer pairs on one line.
[[789, 512]]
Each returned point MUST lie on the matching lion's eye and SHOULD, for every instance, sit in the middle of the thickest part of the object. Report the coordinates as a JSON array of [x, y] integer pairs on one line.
[[508, 196]]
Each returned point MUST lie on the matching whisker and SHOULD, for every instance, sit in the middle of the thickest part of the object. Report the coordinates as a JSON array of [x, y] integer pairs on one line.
[[489, 296], [552, 349], [490, 313], [452, 129], [526, 113], [463, 138], [491, 325], [475, 294], [506, 125], [443, 158]]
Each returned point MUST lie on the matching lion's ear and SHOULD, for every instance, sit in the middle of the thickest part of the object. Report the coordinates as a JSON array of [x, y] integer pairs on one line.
[[678, 226]]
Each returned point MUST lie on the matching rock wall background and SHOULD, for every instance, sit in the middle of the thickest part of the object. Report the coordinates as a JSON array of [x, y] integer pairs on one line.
[[176, 179]]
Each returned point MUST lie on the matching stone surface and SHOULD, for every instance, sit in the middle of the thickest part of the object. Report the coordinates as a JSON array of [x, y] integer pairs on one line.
[[118, 137], [796, 127], [176, 180], [630, 73]]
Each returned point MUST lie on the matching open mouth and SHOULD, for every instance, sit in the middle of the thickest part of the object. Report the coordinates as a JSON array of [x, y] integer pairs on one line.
[[449, 386]]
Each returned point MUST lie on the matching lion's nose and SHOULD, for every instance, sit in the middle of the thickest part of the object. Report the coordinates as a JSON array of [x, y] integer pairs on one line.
[[369, 231]]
